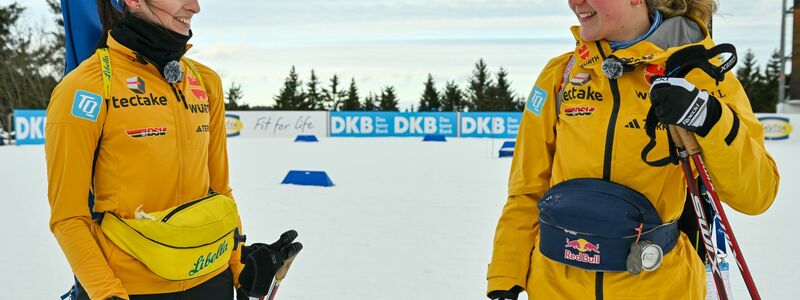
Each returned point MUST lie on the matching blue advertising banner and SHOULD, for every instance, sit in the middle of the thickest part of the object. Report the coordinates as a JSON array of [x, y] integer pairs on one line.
[[395, 124], [503, 125], [29, 126]]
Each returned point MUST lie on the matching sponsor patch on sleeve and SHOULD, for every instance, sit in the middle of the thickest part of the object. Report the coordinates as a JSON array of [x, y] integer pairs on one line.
[[86, 105], [536, 100]]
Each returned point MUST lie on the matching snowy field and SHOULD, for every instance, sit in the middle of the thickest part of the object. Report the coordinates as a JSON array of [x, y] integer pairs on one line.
[[406, 219]]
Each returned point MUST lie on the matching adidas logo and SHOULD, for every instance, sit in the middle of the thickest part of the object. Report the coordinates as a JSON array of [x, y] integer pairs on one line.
[[633, 124]]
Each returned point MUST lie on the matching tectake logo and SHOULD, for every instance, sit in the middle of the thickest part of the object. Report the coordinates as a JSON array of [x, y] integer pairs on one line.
[[147, 132], [196, 88], [86, 105], [136, 85], [581, 79]]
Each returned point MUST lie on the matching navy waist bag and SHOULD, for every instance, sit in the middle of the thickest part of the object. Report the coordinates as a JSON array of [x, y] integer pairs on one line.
[[591, 224]]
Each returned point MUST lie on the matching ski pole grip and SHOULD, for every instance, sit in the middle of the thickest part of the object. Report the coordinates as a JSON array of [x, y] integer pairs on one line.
[[685, 139], [281, 274]]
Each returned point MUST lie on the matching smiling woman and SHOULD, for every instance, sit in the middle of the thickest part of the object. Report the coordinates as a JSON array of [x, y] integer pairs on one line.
[[142, 138]]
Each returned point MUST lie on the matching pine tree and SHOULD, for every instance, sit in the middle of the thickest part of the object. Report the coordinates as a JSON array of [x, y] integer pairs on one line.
[[290, 97], [430, 97], [479, 84], [768, 99], [333, 95], [351, 101], [501, 96], [313, 96], [750, 75], [452, 97], [388, 99], [234, 95], [370, 102]]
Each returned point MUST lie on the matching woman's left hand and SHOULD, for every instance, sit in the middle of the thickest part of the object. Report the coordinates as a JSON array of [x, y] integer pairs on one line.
[[677, 101]]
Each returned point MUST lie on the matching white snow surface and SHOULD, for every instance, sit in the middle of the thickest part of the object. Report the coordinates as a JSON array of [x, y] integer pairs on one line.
[[405, 220]]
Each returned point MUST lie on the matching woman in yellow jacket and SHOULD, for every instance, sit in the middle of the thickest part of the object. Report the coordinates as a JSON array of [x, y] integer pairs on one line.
[[581, 155], [142, 128]]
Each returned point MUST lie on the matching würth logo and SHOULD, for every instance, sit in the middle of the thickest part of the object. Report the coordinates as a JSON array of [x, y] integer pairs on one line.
[[197, 88], [584, 52], [136, 85], [147, 132]]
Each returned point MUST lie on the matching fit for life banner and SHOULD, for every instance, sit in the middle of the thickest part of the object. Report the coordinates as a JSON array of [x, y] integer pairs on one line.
[[29, 126], [392, 124], [261, 124]]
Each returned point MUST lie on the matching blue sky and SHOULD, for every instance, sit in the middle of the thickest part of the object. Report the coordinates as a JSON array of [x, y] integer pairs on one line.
[[398, 42]]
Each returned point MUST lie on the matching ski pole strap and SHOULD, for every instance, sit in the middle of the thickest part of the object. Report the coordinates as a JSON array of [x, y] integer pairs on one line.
[[687, 59]]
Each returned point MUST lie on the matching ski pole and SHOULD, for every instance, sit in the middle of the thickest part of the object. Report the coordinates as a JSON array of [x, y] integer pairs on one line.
[[702, 223], [693, 149], [280, 275]]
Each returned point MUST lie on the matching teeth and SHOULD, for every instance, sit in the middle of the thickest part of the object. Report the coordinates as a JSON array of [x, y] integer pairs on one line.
[[586, 14], [184, 20]]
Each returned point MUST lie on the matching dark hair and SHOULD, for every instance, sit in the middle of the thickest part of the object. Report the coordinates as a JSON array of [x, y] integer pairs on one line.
[[108, 18]]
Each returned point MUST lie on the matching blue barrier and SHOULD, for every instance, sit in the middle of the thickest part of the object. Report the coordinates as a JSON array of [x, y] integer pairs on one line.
[[315, 178], [434, 138], [507, 150], [306, 138]]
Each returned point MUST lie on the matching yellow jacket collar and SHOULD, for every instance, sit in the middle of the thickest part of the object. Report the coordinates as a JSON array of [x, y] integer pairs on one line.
[[590, 55]]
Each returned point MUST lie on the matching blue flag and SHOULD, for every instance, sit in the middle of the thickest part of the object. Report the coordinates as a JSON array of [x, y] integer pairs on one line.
[[83, 30]]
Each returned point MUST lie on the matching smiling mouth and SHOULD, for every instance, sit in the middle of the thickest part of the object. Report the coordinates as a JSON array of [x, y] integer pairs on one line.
[[587, 15], [185, 21]]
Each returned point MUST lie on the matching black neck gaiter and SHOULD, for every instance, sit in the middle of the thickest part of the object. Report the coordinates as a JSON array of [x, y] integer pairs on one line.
[[155, 44]]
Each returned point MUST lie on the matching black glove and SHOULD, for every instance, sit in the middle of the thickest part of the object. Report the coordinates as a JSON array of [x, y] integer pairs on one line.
[[678, 102], [511, 294], [262, 261]]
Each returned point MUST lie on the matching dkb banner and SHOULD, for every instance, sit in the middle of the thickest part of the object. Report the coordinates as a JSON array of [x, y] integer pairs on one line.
[[396, 124], [29, 126], [504, 125]]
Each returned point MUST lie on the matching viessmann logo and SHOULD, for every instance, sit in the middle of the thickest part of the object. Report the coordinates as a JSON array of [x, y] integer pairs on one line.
[[776, 128], [147, 132], [233, 125]]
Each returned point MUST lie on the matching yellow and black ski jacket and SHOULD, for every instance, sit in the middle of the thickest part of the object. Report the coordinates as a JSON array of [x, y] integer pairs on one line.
[[596, 130], [141, 142]]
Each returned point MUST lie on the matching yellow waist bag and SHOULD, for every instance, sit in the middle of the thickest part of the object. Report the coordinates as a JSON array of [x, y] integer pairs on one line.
[[182, 242]]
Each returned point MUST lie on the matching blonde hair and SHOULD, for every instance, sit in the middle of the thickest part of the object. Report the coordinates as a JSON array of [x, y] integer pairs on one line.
[[699, 9]]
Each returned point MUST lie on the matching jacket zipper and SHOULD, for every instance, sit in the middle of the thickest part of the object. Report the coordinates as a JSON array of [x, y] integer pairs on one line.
[[179, 137], [609, 148], [185, 206]]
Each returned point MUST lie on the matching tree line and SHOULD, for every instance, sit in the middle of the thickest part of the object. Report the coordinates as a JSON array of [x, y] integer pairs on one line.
[[484, 92]]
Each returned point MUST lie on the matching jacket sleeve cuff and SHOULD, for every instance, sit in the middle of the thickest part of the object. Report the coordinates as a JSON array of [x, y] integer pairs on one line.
[[725, 132], [499, 278]]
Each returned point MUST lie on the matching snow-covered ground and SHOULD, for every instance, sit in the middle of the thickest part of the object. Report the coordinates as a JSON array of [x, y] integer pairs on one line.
[[406, 219]]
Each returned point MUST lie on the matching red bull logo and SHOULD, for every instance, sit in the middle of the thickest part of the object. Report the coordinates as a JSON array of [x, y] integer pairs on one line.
[[584, 248]]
